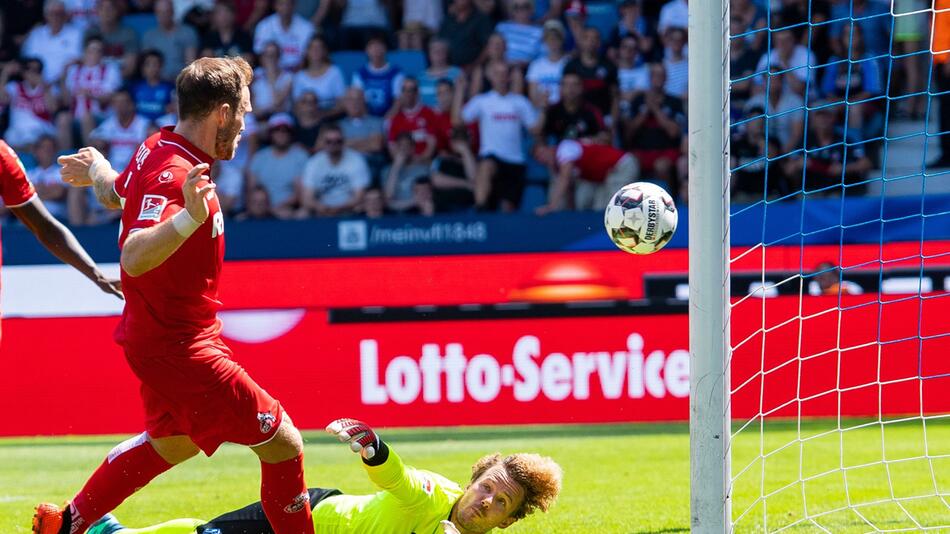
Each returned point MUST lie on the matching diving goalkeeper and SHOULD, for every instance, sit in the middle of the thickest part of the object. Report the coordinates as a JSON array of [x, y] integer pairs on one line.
[[502, 490]]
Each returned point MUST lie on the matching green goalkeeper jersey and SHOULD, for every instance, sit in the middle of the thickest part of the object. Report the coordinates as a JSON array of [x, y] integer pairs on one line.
[[411, 501]]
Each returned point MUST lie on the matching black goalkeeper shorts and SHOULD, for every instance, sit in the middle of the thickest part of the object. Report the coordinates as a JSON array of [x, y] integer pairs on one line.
[[251, 518]]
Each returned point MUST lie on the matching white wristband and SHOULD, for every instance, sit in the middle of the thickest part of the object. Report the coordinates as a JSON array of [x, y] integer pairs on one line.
[[184, 224], [94, 168]]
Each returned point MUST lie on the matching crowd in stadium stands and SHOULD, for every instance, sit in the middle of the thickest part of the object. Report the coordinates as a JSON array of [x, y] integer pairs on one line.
[[385, 107]]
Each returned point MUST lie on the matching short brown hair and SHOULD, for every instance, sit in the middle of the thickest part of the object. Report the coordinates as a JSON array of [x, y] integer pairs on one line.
[[209, 82], [540, 476]]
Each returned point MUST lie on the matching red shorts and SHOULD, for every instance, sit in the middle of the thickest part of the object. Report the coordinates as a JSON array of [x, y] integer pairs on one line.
[[203, 394]]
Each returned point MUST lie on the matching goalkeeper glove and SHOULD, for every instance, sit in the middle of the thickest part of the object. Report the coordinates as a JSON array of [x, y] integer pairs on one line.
[[359, 435]]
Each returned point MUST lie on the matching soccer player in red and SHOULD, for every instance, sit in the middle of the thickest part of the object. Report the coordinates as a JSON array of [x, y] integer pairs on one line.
[[20, 198], [172, 241]]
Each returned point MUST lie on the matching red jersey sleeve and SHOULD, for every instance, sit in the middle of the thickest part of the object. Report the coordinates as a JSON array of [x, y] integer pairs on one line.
[[158, 198], [15, 187]]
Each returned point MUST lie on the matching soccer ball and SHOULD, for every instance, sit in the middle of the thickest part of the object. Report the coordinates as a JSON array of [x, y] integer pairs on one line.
[[640, 218]]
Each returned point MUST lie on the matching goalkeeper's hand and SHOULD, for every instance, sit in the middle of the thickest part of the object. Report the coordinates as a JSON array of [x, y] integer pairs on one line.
[[359, 435]]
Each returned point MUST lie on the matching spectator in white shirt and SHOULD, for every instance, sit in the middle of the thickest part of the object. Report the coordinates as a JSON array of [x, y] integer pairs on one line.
[[120, 135], [788, 55], [91, 84], [45, 177], [544, 74], [420, 19], [631, 78], [320, 77], [501, 116], [360, 20], [522, 37], [334, 179], [272, 85], [674, 14], [676, 63], [55, 43], [32, 104], [178, 43], [289, 30]]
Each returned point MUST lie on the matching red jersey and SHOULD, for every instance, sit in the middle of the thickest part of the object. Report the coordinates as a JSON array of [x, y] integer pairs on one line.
[[421, 124], [15, 187], [594, 161], [176, 303]]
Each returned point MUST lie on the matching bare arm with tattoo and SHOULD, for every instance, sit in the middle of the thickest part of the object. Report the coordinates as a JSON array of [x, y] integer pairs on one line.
[[89, 167]]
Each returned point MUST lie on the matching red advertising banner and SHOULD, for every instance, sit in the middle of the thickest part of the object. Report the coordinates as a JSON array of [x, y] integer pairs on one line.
[[66, 375]]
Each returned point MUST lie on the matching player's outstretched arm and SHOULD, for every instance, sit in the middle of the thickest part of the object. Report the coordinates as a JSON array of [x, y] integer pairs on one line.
[[89, 167], [62, 243], [146, 249], [360, 437]]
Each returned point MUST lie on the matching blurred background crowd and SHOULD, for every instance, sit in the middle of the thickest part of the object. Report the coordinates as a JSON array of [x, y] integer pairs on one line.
[[386, 107]]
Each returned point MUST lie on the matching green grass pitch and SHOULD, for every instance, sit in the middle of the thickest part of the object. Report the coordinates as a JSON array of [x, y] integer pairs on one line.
[[618, 478]]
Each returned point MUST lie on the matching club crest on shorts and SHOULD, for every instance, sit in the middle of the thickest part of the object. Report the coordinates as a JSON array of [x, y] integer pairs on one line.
[[152, 207], [267, 421], [298, 504]]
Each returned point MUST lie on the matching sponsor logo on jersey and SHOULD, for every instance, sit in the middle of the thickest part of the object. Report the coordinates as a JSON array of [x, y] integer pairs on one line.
[[267, 421], [152, 207], [298, 504], [428, 486]]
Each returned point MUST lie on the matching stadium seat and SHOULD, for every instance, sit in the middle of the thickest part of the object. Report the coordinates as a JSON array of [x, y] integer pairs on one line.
[[349, 62], [140, 22], [412, 62], [602, 15]]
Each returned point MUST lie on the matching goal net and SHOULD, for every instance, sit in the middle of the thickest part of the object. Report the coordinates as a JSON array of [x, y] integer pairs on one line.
[[834, 371]]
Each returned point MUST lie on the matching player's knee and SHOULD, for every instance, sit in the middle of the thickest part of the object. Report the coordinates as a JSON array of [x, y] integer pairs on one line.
[[287, 444]]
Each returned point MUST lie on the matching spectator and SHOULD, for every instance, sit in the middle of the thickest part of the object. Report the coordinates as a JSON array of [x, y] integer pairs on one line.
[[784, 109], [575, 13], [423, 198], [858, 80], [225, 38], [403, 173], [467, 30], [495, 51], [271, 87], [32, 103], [572, 117], [442, 126], [788, 55], [361, 20], [874, 17], [599, 75], [289, 30], [379, 80], [309, 120], [194, 13], [633, 76], [911, 31], [544, 73], [416, 120], [522, 37], [152, 94], [121, 42], [374, 206], [743, 60], [439, 69], [177, 43], [501, 115], [122, 132], [249, 13], [600, 170], [632, 23], [335, 178], [748, 152], [56, 43], [749, 20], [278, 167], [258, 205], [90, 83], [228, 174], [363, 133], [828, 277], [453, 174], [834, 160], [320, 77], [45, 177], [654, 130], [420, 19], [676, 63], [674, 14]]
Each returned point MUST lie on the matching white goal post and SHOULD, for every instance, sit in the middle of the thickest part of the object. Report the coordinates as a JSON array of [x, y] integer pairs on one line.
[[709, 342]]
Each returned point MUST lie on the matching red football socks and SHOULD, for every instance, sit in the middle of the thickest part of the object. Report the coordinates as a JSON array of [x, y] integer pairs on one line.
[[284, 497], [130, 465]]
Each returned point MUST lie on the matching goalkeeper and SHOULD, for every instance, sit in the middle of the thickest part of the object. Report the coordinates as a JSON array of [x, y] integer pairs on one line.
[[502, 490]]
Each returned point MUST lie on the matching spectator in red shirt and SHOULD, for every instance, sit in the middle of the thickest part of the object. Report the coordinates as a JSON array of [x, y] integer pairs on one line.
[[600, 170], [416, 119]]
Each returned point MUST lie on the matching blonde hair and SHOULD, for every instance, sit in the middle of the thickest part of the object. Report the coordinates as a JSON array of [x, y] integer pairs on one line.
[[209, 82], [540, 476]]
